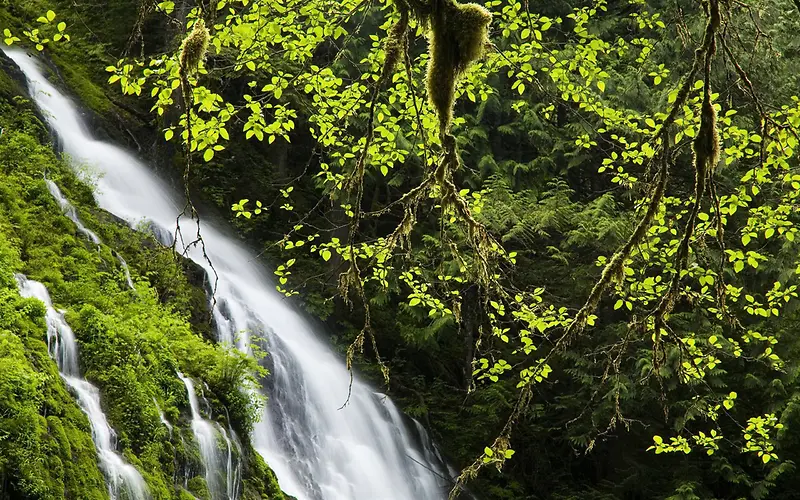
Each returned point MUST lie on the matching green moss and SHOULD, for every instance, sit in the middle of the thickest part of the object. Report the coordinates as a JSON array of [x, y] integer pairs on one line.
[[199, 488], [260, 482], [457, 36], [40, 457], [79, 82]]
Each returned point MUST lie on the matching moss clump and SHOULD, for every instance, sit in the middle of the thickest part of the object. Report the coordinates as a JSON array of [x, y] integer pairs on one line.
[[260, 481], [197, 485], [458, 35], [80, 83], [396, 44], [193, 48], [706, 144]]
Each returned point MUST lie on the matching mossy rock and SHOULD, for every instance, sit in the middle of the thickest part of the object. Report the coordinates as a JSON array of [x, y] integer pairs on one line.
[[197, 485]]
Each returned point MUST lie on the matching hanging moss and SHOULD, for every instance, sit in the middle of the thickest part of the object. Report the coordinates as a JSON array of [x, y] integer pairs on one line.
[[193, 48], [458, 34], [706, 144], [396, 44]]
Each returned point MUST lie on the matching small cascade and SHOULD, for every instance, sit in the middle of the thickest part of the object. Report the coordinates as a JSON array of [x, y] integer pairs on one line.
[[126, 270], [163, 418], [70, 212], [222, 477], [234, 470], [159, 232], [430, 451], [124, 481]]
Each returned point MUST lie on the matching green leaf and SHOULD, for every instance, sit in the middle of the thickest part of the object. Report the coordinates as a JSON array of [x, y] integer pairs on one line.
[[326, 255], [51, 15], [208, 155], [62, 26], [414, 301], [168, 134]]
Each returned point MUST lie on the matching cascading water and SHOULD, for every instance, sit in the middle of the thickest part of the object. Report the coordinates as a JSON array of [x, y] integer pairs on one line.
[[163, 418], [70, 211], [126, 270], [220, 473], [234, 468], [317, 450], [124, 481]]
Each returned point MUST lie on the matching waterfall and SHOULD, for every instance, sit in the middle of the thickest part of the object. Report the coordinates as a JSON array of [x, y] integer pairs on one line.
[[234, 470], [317, 450], [70, 211], [126, 270], [124, 481], [163, 418], [220, 473]]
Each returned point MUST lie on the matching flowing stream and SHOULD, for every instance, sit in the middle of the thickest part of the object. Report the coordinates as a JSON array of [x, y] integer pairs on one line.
[[71, 213], [220, 472], [126, 270], [163, 418], [318, 451], [124, 481]]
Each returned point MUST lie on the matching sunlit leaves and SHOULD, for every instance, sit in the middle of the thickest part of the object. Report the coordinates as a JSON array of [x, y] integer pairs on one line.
[[545, 66]]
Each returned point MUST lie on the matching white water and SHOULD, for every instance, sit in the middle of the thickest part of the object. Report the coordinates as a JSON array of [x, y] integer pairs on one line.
[[70, 211], [126, 270], [124, 481], [220, 472], [317, 450], [163, 418], [234, 469]]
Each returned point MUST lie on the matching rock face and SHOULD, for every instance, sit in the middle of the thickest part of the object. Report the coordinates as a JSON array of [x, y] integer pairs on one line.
[[12, 71]]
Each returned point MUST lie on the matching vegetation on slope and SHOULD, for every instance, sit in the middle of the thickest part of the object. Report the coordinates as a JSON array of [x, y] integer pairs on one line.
[[132, 342]]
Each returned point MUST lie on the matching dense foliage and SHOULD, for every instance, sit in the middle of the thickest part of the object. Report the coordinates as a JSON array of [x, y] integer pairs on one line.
[[586, 264]]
